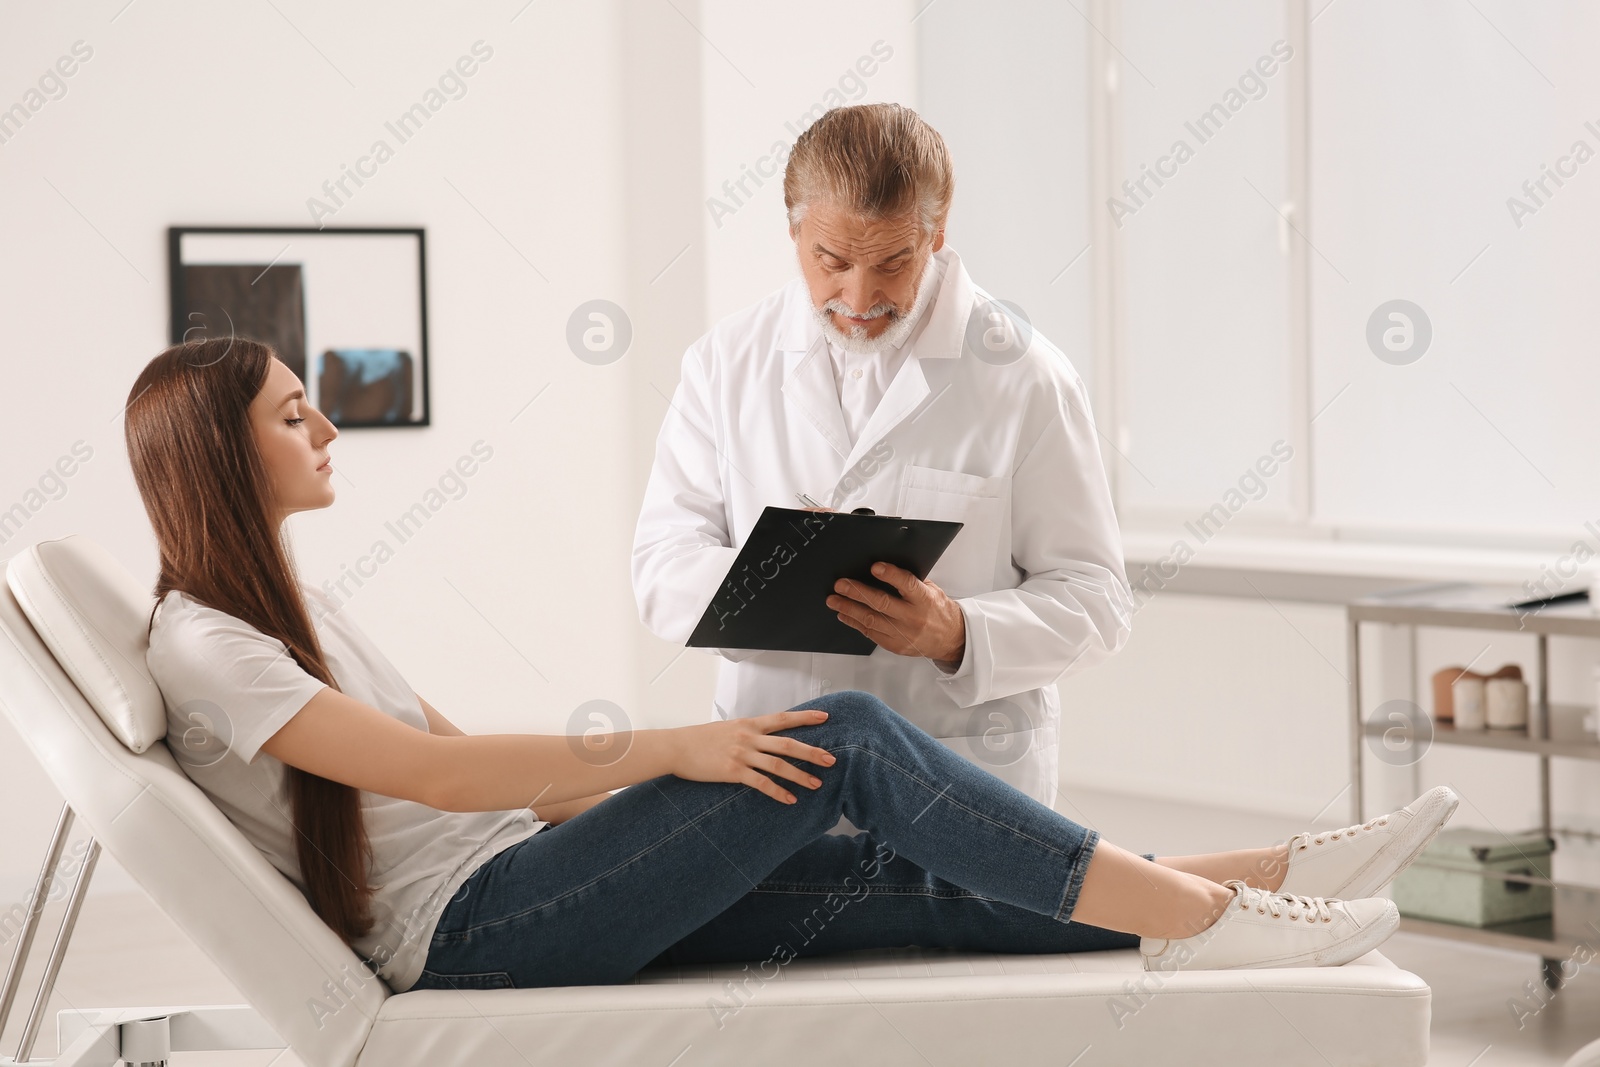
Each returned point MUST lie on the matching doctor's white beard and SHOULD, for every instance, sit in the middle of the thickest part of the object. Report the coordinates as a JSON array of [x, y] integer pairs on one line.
[[899, 328]]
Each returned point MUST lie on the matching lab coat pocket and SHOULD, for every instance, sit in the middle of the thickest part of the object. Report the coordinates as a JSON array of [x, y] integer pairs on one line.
[[969, 565]]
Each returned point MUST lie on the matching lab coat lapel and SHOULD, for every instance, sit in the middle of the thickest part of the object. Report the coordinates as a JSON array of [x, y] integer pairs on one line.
[[904, 395], [809, 386], [939, 338]]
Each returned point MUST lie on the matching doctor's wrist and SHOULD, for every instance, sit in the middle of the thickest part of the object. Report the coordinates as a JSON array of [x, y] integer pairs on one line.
[[956, 648]]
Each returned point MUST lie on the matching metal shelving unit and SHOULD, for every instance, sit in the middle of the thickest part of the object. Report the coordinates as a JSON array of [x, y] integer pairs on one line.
[[1553, 730]]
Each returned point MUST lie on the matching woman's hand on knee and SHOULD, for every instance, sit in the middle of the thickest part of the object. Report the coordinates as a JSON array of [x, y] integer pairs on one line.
[[740, 750]]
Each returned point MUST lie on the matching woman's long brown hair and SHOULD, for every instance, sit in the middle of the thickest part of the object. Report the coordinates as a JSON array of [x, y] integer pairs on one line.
[[209, 497]]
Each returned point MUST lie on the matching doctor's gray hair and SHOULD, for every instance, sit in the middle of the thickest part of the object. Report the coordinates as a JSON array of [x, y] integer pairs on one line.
[[877, 161]]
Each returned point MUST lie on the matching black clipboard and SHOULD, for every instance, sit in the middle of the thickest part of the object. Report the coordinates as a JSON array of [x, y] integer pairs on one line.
[[774, 597]]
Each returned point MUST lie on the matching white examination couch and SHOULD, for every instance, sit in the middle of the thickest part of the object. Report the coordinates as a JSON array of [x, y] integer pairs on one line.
[[73, 682]]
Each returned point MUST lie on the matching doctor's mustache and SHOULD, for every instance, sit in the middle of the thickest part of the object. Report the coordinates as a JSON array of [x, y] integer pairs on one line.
[[840, 307]]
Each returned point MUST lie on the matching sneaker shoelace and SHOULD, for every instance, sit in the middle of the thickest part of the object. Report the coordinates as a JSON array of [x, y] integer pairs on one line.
[[1278, 905], [1305, 838]]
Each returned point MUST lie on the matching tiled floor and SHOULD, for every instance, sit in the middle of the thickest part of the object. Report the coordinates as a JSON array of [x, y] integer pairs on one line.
[[126, 952]]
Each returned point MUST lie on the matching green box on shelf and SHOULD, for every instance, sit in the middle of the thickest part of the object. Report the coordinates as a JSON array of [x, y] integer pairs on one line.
[[1447, 884]]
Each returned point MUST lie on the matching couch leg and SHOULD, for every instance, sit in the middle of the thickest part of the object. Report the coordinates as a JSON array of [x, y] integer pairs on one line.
[[58, 950], [147, 1042], [30, 922], [147, 1037]]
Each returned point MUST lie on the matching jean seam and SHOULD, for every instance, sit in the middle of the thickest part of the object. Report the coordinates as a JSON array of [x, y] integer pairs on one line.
[[1080, 867], [801, 889], [441, 976], [941, 793], [466, 932]]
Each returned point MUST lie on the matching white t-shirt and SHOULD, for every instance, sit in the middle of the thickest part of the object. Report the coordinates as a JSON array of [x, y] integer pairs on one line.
[[228, 688]]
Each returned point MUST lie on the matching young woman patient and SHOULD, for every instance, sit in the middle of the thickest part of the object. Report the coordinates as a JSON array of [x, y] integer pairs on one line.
[[451, 860]]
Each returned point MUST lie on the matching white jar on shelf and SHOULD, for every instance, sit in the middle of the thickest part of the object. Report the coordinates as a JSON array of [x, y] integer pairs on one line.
[[1468, 695], [1506, 703]]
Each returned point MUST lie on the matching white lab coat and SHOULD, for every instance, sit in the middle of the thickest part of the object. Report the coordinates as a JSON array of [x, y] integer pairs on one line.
[[1009, 450]]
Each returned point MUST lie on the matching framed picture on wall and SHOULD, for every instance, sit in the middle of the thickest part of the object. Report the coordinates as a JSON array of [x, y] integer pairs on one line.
[[344, 307]]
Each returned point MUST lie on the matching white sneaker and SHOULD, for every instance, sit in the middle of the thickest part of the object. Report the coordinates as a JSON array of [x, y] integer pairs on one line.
[[1262, 929], [1357, 861]]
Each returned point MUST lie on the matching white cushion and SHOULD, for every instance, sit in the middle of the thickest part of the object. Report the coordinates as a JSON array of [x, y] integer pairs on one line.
[[927, 1008], [93, 616]]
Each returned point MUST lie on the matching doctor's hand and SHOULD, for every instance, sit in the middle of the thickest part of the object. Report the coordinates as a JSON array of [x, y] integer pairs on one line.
[[738, 750], [921, 621]]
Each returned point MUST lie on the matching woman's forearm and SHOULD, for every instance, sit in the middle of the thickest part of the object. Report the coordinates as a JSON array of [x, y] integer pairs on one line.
[[496, 772]]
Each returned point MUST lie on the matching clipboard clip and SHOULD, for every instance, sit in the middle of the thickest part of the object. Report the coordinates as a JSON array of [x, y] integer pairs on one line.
[[808, 502]]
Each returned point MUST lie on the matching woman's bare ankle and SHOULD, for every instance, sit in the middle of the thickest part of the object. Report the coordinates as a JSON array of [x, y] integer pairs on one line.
[[1194, 912], [1280, 867], [1258, 868], [1269, 868]]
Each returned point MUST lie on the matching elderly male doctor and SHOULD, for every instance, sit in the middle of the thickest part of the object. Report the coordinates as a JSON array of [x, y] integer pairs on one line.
[[856, 385]]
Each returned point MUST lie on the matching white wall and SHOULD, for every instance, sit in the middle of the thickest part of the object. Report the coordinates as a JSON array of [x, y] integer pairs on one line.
[[1426, 121], [1007, 87], [1206, 298], [764, 73], [193, 114]]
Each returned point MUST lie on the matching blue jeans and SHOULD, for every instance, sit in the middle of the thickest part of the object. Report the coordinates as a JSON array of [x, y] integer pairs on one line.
[[673, 871]]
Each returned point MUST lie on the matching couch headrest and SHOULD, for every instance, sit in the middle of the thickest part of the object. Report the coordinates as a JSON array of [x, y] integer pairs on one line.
[[93, 615]]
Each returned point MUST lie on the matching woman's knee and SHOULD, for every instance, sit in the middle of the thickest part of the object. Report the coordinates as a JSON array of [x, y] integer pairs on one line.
[[846, 702], [854, 710]]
